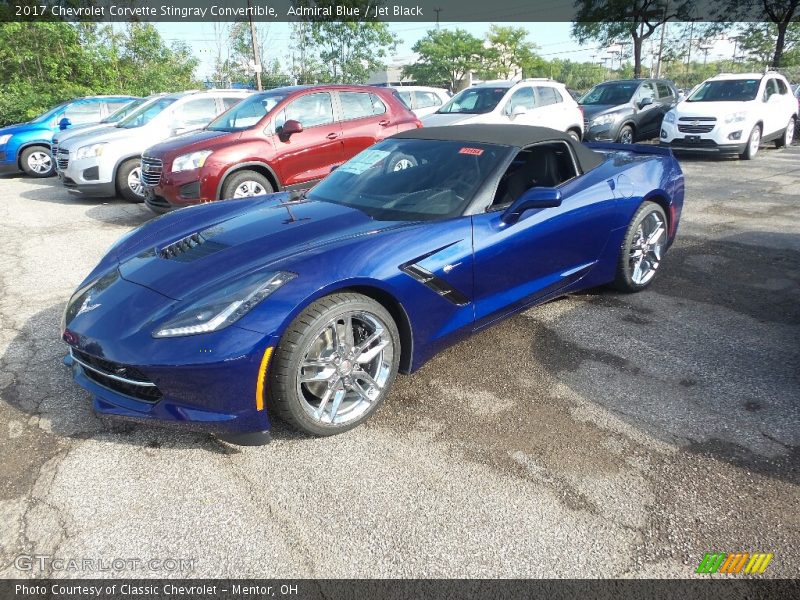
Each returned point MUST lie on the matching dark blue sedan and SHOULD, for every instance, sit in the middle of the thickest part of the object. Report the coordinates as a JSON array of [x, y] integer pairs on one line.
[[305, 305]]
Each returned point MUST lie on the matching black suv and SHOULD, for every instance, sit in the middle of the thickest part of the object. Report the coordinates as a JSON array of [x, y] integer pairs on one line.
[[626, 110]]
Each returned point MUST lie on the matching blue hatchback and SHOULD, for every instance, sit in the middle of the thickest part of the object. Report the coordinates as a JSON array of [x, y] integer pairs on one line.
[[26, 146]]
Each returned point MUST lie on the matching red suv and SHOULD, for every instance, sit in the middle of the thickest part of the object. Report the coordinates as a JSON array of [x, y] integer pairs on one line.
[[287, 137]]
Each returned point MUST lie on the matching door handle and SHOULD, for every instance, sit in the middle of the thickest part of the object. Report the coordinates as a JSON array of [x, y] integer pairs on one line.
[[383, 123], [332, 136]]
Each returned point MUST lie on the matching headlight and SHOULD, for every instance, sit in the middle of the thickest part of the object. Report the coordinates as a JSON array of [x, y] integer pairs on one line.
[[223, 305], [4, 139], [186, 162], [736, 117], [669, 117], [605, 119], [90, 151], [81, 300]]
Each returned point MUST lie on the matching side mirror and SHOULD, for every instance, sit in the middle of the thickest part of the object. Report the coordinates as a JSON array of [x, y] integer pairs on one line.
[[64, 123], [333, 168], [538, 197], [290, 128], [645, 102], [518, 111]]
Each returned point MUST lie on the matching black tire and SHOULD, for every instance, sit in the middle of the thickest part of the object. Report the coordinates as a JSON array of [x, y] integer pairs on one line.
[[239, 178], [623, 280], [780, 142], [575, 134], [283, 399], [399, 162], [749, 153], [625, 132], [27, 162], [125, 172]]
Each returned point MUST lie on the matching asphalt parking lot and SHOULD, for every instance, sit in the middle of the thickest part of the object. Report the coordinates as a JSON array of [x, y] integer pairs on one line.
[[600, 435]]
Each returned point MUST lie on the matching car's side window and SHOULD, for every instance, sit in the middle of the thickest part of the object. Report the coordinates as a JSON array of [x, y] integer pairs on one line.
[[355, 105], [427, 99], [405, 96], [310, 110], [378, 107], [196, 112], [231, 101], [542, 165], [664, 91], [113, 106], [522, 97], [547, 95], [83, 112], [770, 89], [782, 88], [646, 90]]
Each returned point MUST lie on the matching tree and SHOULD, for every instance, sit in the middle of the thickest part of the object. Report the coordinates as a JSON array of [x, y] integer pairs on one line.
[[610, 20], [512, 50], [348, 51], [445, 56]]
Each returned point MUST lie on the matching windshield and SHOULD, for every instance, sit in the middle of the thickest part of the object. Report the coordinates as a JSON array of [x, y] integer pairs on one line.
[[123, 112], [145, 113], [411, 180], [49, 114], [475, 101], [730, 90], [246, 113], [609, 93]]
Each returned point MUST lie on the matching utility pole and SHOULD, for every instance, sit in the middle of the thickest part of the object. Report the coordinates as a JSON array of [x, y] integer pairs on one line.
[[661, 44], [437, 11], [256, 58], [691, 41], [705, 49]]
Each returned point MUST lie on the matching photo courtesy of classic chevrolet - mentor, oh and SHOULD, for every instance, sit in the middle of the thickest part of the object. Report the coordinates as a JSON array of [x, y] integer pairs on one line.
[[107, 162], [304, 305], [26, 147], [286, 137]]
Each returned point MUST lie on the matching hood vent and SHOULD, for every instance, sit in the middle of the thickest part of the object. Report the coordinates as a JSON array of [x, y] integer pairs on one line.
[[192, 247]]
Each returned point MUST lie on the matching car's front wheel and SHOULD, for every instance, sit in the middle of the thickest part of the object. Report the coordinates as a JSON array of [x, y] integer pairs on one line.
[[625, 135], [642, 249], [334, 365], [37, 161], [129, 180], [753, 143], [245, 184], [788, 135]]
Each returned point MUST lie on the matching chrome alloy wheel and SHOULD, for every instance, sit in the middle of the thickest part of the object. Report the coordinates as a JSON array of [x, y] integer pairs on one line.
[[788, 135], [40, 162], [647, 248], [345, 368], [626, 137], [755, 141], [249, 188], [135, 181], [402, 165]]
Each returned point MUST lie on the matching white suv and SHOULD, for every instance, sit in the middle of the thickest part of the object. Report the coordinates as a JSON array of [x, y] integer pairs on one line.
[[422, 100], [541, 102], [732, 114], [106, 162]]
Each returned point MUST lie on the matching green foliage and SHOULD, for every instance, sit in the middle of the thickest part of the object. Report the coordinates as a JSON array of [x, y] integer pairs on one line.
[[758, 41], [509, 51], [46, 62], [445, 57]]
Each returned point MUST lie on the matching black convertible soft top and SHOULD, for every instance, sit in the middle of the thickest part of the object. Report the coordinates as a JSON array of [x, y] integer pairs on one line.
[[517, 136]]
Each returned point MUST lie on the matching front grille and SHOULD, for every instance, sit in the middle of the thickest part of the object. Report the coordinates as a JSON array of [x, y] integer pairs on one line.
[[695, 128], [701, 119], [698, 143], [62, 159], [151, 171], [119, 378]]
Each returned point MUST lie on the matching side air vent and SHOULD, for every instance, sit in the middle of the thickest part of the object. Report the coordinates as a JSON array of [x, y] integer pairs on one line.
[[437, 284], [192, 247]]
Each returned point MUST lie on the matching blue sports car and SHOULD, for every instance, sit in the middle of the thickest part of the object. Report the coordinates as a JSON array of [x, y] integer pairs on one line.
[[305, 305]]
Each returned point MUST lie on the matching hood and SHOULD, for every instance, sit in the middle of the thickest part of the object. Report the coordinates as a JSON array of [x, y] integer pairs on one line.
[[23, 128], [590, 111], [190, 142], [62, 136], [236, 237], [437, 119], [709, 109]]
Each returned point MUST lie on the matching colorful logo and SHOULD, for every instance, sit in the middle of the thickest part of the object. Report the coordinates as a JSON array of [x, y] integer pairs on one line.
[[721, 562]]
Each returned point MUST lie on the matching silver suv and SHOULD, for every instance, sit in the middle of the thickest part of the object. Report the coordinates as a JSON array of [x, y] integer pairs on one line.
[[107, 162]]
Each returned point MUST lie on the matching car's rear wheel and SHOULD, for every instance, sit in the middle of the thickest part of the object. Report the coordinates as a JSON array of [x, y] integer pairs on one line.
[[753, 142], [642, 248], [37, 161], [625, 135], [334, 365], [245, 184], [788, 135], [129, 180], [574, 134]]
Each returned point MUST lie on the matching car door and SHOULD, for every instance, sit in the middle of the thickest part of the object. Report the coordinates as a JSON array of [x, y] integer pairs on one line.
[[545, 250], [773, 113], [553, 108], [365, 120], [648, 116], [667, 98], [524, 98], [426, 103], [310, 154]]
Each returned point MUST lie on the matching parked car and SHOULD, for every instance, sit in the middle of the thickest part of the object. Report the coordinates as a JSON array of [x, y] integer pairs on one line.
[[26, 147], [304, 306], [108, 162], [733, 114], [626, 110], [541, 102], [109, 121], [286, 137], [421, 100]]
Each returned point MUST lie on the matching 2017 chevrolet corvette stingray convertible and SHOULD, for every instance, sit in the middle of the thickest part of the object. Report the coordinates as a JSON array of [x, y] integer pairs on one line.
[[305, 305]]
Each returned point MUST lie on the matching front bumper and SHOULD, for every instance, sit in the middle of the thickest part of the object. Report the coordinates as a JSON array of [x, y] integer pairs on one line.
[[600, 133], [716, 141], [87, 176], [8, 161]]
